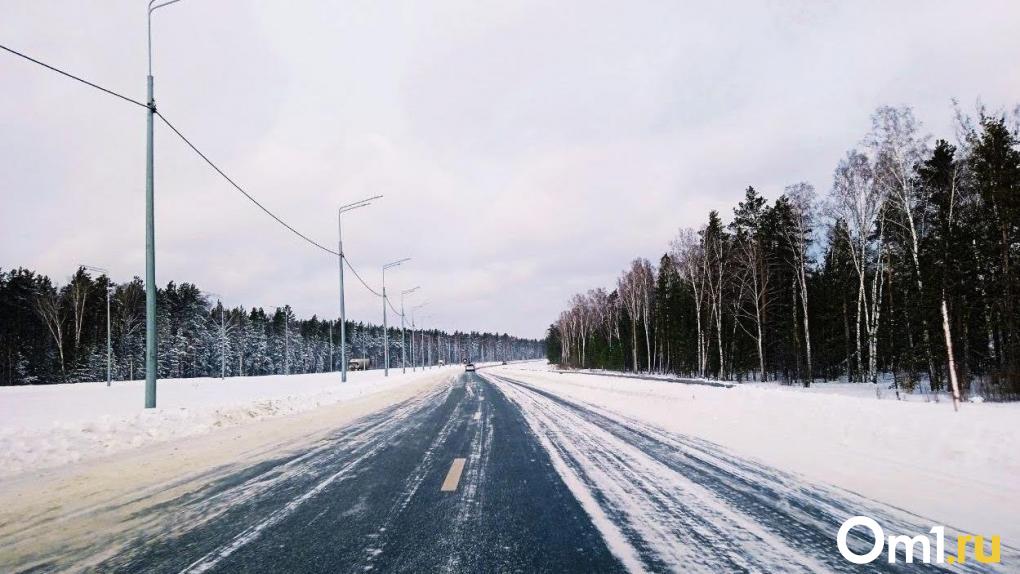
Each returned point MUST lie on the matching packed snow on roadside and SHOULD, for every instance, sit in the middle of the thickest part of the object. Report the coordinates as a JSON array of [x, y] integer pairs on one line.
[[48, 425], [884, 389], [960, 468]]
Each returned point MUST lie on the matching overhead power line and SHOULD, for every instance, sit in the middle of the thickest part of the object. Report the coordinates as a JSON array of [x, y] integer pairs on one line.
[[355, 271], [73, 77], [394, 308], [201, 155], [243, 192], [263, 208]]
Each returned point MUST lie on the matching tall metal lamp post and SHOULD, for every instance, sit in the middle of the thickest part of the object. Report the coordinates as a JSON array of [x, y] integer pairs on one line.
[[151, 367], [403, 338], [386, 334], [340, 265], [421, 348], [430, 351]]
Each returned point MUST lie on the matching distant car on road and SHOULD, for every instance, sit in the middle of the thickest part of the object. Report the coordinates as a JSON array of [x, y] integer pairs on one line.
[[469, 368], [359, 364], [504, 362]]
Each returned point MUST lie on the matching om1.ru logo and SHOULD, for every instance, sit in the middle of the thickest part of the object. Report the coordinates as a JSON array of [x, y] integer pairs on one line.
[[918, 544]]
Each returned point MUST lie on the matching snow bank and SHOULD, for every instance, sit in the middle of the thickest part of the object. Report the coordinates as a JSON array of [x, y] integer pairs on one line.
[[959, 468], [882, 390], [49, 425]]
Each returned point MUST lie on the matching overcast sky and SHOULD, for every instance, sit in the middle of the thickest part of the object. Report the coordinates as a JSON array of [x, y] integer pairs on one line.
[[526, 150]]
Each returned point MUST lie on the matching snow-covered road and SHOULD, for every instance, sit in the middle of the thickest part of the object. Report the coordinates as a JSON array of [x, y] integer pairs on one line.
[[494, 471], [374, 494], [958, 468], [666, 502]]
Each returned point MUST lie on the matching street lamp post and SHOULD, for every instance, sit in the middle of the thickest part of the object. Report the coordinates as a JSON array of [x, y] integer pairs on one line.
[[427, 357], [422, 348], [386, 334], [403, 338], [150, 227], [109, 346], [340, 265]]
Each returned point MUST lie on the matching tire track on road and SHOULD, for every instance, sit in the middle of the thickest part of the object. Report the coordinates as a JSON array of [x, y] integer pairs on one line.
[[686, 504]]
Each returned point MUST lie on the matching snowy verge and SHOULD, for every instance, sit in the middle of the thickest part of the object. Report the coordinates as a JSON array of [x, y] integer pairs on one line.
[[958, 468], [49, 425], [884, 389], [659, 377]]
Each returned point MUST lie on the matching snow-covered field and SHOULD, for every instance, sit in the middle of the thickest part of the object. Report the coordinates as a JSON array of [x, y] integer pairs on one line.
[[961, 469], [50, 425]]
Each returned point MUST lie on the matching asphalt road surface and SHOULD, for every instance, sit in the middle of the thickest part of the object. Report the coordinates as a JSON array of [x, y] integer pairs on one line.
[[490, 474]]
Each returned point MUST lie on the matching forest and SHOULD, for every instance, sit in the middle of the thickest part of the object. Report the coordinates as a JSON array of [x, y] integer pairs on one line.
[[904, 272], [58, 334]]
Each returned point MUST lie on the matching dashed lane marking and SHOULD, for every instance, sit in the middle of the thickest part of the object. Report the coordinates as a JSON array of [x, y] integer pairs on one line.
[[453, 477]]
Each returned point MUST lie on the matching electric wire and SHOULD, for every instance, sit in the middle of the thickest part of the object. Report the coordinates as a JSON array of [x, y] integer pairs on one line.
[[240, 189], [355, 271], [263, 208], [388, 302], [73, 77], [201, 155]]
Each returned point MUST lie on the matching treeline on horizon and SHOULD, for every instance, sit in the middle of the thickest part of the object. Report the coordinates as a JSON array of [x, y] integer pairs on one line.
[[906, 269], [57, 334]]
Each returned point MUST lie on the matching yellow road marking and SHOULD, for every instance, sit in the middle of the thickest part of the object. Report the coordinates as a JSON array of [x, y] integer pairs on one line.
[[453, 477]]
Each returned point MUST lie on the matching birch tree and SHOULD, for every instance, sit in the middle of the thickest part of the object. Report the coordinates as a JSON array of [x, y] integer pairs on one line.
[[801, 200], [688, 252], [716, 247], [629, 286], [860, 204], [603, 313], [898, 148], [77, 293], [646, 286], [51, 311], [751, 293], [584, 318]]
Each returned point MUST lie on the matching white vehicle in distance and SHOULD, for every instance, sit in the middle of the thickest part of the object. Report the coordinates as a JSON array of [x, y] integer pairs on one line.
[[359, 364], [469, 368]]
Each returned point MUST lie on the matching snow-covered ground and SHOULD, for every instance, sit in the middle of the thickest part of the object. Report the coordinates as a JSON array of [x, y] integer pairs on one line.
[[882, 390], [960, 469], [50, 425]]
